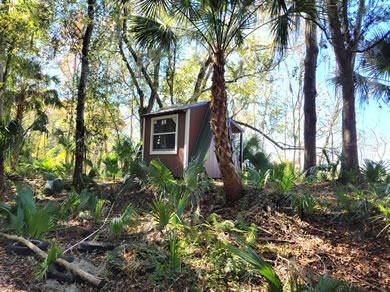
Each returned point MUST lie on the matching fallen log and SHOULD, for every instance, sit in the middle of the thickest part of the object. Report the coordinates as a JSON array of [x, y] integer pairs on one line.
[[92, 279]]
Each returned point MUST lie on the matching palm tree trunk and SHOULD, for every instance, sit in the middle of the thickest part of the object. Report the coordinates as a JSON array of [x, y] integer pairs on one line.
[[310, 92], [80, 128], [221, 130], [345, 61], [16, 150], [350, 160]]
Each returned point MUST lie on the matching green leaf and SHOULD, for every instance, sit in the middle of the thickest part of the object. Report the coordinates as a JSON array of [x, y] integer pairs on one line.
[[251, 257], [25, 196], [116, 225], [17, 221], [4, 208], [53, 254], [162, 212], [160, 176], [331, 285]]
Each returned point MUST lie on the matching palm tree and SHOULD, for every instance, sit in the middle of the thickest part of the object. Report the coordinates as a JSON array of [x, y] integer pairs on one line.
[[30, 92], [221, 26]]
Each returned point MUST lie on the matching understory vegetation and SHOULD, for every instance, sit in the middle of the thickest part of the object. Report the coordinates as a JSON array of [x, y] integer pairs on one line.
[[173, 233]]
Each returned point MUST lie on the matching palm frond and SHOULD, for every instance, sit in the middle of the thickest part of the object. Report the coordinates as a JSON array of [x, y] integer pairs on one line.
[[286, 18], [152, 8], [152, 33], [251, 257]]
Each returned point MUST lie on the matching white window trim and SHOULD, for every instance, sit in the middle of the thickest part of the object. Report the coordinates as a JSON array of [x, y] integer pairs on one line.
[[143, 138], [156, 152], [187, 138]]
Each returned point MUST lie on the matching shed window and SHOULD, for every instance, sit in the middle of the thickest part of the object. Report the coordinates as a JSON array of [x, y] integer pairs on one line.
[[164, 135]]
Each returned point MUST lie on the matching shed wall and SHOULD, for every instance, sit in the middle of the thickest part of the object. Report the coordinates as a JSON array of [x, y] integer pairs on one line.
[[173, 161]]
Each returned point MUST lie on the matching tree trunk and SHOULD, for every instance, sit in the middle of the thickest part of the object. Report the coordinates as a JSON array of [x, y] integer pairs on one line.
[[80, 128], [2, 176], [343, 48], [221, 130], [19, 115], [349, 160], [310, 92]]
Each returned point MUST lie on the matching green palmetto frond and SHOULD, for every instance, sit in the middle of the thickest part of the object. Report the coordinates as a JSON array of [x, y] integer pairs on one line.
[[152, 33], [373, 77], [367, 88], [285, 18], [152, 8], [249, 256]]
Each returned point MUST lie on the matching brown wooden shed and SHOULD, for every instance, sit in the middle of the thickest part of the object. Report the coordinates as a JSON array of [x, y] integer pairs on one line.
[[176, 135]]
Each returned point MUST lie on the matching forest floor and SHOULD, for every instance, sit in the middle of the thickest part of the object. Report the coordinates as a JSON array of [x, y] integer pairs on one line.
[[325, 243]]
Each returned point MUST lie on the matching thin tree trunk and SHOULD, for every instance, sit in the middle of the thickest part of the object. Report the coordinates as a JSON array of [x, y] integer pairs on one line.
[[80, 128], [310, 92], [19, 115], [4, 70], [2, 176], [202, 77], [221, 131], [332, 122]]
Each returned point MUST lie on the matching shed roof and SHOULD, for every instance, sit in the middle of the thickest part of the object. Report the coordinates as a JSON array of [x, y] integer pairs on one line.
[[174, 109], [181, 108]]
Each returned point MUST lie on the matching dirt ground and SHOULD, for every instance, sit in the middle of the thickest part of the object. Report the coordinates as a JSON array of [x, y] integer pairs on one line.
[[320, 244]]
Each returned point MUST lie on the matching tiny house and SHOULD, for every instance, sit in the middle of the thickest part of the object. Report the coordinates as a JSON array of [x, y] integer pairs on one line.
[[176, 135]]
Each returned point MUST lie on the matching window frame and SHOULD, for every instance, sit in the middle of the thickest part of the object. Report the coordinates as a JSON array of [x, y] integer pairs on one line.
[[152, 134]]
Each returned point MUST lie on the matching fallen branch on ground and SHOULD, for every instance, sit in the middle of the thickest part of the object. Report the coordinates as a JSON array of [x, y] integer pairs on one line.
[[92, 279]]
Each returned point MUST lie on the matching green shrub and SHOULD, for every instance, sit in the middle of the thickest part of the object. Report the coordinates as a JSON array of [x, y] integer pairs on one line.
[[28, 219], [127, 218], [255, 178], [303, 205], [283, 174], [253, 154], [374, 171], [345, 200], [173, 255], [112, 166], [385, 215], [163, 212]]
